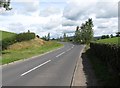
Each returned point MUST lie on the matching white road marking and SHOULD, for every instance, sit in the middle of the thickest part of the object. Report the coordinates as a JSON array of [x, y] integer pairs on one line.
[[68, 49], [65, 52], [60, 54], [35, 68]]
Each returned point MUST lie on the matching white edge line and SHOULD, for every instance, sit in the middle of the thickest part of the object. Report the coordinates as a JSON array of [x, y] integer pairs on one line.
[[35, 68]]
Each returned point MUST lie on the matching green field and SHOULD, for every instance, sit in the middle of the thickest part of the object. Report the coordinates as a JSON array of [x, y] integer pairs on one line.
[[6, 34], [26, 49], [115, 40]]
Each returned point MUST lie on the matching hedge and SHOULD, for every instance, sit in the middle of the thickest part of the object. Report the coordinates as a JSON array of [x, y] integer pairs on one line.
[[8, 41], [25, 36], [108, 53], [17, 38]]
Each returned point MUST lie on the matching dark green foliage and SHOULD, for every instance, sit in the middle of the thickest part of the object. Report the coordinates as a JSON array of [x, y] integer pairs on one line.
[[5, 4], [118, 34], [16, 38], [84, 33], [8, 41], [25, 36], [109, 54], [104, 36]]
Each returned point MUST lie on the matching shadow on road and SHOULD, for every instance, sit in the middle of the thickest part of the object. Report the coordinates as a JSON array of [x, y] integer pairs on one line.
[[88, 71]]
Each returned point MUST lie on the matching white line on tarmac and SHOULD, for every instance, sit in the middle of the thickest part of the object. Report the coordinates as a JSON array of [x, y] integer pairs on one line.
[[60, 54], [35, 68]]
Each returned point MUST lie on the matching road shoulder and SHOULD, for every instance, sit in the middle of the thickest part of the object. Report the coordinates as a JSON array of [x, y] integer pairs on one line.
[[84, 74]]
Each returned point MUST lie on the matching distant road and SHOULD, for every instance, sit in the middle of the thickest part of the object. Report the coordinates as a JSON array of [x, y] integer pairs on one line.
[[52, 69]]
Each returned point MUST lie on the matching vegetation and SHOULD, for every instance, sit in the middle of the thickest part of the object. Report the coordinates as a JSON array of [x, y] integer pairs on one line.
[[106, 77], [104, 56], [84, 34], [46, 38], [11, 38], [7, 39], [27, 49], [5, 4], [25, 36], [105, 36], [6, 34], [115, 40]]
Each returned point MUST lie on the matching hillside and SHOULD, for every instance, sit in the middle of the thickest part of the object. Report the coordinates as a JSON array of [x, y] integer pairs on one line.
[[6, 34], [115, 40], [27, 44]]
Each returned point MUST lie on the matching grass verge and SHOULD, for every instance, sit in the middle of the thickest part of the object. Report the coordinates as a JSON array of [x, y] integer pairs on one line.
[[9, 56], [115, 40], [105, 75]]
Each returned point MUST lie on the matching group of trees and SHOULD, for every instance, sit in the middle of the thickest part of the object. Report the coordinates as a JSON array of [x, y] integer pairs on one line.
[[5, 4], [84, 33], [110, 36], [46, 38]]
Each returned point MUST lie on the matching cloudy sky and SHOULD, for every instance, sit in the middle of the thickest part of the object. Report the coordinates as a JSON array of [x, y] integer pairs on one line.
[[60, 16]]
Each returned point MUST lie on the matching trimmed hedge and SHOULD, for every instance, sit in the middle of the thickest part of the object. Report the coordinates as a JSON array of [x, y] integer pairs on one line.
[[17, 38], [25, 36], [108, 53], [8, 41]]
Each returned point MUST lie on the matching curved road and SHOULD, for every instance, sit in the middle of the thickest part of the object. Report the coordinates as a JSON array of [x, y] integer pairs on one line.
[[53, 69]]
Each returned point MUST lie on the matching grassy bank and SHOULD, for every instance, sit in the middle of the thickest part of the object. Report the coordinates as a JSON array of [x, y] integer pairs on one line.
[[6, 34], [26, 50], [105, 75]]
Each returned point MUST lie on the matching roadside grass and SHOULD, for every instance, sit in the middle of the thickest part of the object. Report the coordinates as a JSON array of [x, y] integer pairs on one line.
[[103, 73], [10, 55], [115, 40]]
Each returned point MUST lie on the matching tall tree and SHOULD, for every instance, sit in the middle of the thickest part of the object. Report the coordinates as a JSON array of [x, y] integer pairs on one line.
[[64, 37], [48, 37], [77, 38], [84, 34]]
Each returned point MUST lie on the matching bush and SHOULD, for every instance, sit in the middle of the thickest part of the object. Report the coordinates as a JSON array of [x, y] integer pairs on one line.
[[8, 41], [108, 54], [25, 36], [17, 38]]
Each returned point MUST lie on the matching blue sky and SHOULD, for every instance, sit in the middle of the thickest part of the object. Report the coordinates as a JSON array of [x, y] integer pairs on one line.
[[60, 16]]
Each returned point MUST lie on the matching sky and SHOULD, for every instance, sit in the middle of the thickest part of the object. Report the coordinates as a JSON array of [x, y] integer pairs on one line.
[[60, 16]]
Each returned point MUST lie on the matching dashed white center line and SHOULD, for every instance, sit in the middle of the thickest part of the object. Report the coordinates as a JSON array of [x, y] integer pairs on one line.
[[60, 54], [65, 52], [35, 68]]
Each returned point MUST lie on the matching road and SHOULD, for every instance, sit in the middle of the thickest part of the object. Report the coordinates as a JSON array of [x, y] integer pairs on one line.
[[53, 69]]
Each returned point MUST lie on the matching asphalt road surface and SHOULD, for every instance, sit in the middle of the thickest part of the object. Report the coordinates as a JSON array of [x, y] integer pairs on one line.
[[53, 69]]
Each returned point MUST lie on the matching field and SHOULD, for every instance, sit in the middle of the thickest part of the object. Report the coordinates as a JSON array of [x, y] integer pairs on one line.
[[6, 34], [26, 49], [115, 40]]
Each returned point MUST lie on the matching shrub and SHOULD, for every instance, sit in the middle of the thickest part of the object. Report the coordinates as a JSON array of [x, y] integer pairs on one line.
[[25, 36], [108, 54], [16, 38], [8, 41]]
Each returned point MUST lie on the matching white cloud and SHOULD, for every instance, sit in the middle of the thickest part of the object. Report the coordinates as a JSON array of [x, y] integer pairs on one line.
[[58, 17]]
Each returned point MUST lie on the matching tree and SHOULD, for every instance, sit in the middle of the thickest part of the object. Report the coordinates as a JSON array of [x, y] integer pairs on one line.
[[87, 31], [111, 36], [77, 35], [118, 34], [104, 36], [48, 37], [64, 37], [5, 4]]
